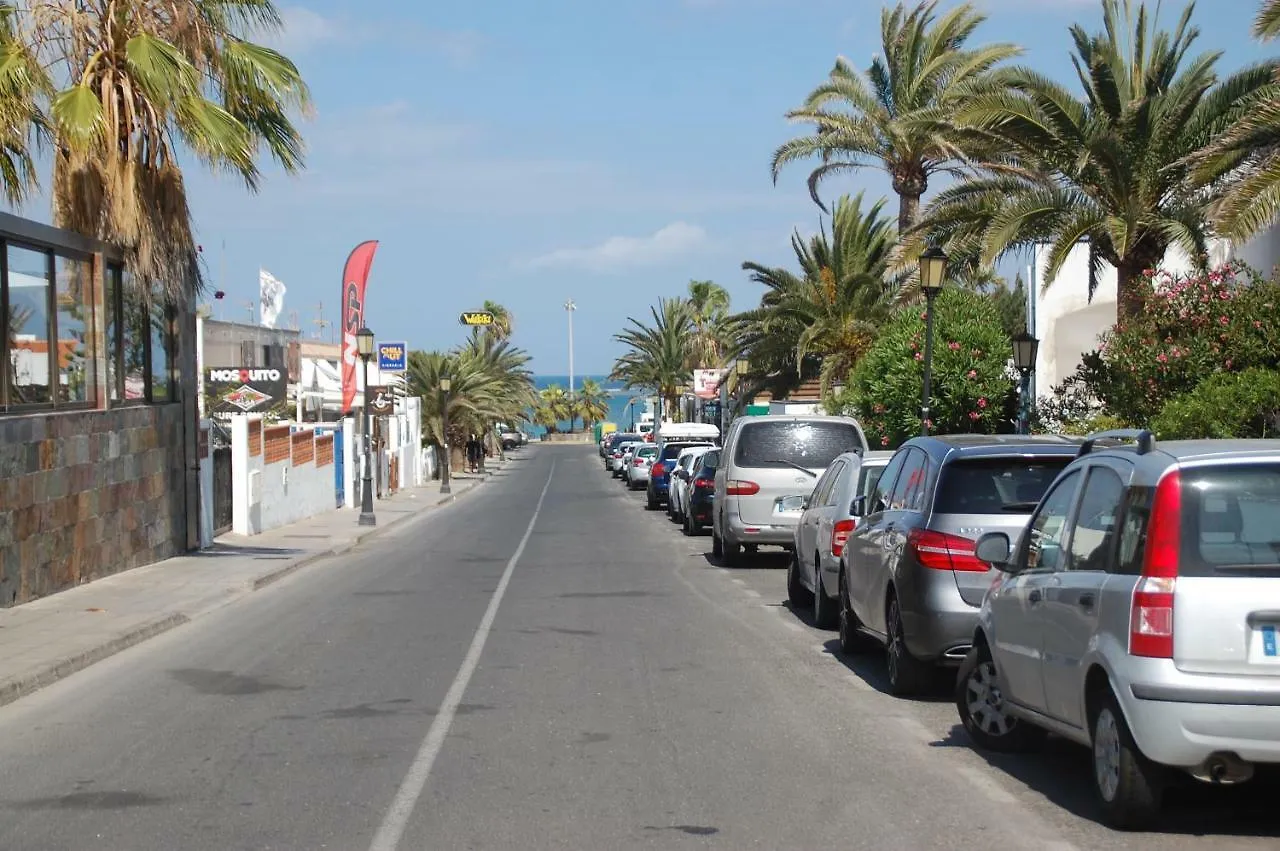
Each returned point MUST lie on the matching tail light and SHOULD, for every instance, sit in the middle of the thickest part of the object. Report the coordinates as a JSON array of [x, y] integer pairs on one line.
[[741, 487], [639, 462], [1151, 617], [940, 551], [704, 484], [840, 535], [658, 469]]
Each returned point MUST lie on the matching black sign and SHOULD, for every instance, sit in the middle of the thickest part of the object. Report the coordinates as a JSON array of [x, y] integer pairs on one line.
[[233, 389], [476, 317], [381, 400]]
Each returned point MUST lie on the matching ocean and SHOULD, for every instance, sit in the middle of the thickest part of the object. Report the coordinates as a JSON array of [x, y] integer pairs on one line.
[[618, 402]]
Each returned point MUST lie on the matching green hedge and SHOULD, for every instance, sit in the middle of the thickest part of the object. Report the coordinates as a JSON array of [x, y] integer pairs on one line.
[[1228, 404]]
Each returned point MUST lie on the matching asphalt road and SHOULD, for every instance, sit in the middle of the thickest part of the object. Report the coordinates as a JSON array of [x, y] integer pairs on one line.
[[542, 665]]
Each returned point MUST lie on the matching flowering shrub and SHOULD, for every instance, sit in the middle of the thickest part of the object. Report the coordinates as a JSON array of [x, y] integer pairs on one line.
[[1193, 326], [974, 387], [1228, 404]]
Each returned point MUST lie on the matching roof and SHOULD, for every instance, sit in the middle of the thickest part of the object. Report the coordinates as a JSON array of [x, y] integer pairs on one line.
[[1199, 450], [993, 445]]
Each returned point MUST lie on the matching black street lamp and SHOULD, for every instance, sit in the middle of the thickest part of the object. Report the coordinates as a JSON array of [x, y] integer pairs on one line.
[[445, 386], [1025, 349], [933, 271], [364, 347]]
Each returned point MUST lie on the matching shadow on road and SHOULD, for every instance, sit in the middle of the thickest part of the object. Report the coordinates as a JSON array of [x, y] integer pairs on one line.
[[1060, 771], [871, 668]]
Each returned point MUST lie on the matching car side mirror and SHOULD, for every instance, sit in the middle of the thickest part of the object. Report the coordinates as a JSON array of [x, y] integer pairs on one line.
[[859, 506], [995, 549]]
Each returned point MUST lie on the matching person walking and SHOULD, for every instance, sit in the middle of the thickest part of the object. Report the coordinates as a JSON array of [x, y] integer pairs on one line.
[[473, 454]]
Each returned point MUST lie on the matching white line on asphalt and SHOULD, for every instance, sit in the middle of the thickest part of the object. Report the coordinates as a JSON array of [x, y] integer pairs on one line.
[[397, 817]]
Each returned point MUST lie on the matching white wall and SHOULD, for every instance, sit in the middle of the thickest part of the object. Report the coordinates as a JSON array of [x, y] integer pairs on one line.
[[267, 496], [206, 488], [352, 459]]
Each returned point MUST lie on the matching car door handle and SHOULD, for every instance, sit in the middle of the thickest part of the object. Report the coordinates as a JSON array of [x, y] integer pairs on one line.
[[1088, 600], [1034, 597]]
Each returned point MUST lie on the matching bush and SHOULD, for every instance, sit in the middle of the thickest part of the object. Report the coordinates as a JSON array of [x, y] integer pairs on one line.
[[1229, 404], [1193, 327], [974, 387]]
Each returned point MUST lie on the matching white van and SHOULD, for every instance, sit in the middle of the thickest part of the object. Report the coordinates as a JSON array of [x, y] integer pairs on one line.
[[689, 431], [768, 466]]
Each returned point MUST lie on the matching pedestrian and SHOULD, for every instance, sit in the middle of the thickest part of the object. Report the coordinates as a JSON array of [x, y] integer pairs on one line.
[[473, 453]]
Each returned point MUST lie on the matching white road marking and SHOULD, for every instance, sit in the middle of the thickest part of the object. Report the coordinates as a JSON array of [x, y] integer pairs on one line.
[[751, 592], [736, 581], [401, 809]]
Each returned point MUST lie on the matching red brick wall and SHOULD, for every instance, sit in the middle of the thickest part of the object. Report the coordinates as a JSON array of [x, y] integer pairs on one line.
[[304, 447], [324, 450], [276, 439], [255, 438]]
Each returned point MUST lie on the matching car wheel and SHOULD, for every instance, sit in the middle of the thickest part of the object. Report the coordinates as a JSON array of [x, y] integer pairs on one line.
[[649, 502], [730, 552], [1129, 786], [852, 640], [907, 674], [980, 703], [825, 615], [717, 548], [799, 596]]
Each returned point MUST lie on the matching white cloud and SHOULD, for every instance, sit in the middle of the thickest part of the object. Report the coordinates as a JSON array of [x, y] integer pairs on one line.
[[616, 253], [306, 30]]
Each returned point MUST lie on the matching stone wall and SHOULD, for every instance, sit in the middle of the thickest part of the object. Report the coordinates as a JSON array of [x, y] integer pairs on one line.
[[86, 494]]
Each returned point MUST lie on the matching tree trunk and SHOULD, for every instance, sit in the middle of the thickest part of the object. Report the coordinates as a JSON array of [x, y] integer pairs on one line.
[[908, 212], [1129, 299]]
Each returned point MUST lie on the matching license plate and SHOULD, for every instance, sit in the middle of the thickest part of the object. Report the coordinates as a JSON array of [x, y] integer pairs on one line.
[[790, 505], [1268, 641], [1265, 647]]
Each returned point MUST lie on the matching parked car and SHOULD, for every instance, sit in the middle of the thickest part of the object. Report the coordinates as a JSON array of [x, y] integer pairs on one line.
[[828, 518], [660, 474], [618, 457], [1137, 614], [636, 473], [767, 460], [909, 579], [681, 475], [700, 496], [610, 444]]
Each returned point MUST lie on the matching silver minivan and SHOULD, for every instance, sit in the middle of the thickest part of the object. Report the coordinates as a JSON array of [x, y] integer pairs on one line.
[[768, 468]]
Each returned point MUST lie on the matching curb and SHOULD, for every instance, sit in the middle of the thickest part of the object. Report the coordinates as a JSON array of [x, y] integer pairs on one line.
[[24, 685]]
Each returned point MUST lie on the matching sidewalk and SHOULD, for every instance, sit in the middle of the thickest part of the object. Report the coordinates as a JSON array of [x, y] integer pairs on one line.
[[48, 639]]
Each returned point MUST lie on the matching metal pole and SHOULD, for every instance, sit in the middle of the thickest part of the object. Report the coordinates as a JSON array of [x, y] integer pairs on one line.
[[570, 307], [928, 365], [444, 466], [367, 517], [1024, 403]]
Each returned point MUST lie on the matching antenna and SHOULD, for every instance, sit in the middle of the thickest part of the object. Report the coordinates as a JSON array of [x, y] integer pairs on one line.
[[249, 306], [320, 322], [293, 320]]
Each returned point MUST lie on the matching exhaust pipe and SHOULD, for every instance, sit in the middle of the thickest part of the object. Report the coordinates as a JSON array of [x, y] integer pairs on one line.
[[1224, 769]]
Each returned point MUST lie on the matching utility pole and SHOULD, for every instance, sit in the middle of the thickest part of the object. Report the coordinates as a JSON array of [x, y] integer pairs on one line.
[[320, 322], [570, 307], [249, 306]]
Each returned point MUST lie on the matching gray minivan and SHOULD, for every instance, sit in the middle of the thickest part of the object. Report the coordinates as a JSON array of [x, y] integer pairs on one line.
[[768, 467]]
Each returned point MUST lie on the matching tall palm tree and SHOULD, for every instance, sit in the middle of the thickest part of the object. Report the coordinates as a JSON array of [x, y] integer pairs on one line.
[[1109, 169], [901, 116], [142, 79], [503, 323], [552, 407], [831, 309], [22, 83], [489, 383], [708, 307], [592, 402], [657, 355], [1243, 163]]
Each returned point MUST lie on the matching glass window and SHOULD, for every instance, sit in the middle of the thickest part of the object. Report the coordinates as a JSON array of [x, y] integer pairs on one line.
[[868, 478], [822, 488], [111, 325], [161, 347], [1133, 531], [913, 500], [913, 470], [811, 445], [74, 324], [1048, 527], [1095, 524], [996, 485], [134, 333], [887, 479], [28, 326], [1231, 521]]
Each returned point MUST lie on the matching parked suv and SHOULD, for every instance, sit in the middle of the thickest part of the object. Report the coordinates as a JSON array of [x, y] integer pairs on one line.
[[910, 580], [766, 462], [1138, 614]]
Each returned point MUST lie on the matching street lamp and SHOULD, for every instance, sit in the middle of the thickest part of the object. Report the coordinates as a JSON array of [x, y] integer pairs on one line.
[[445, 386], [1025, 349], [570, 307], [933, 269], [364, 347]]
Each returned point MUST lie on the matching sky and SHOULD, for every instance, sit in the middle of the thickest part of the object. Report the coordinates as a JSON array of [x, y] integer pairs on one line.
[[530, 153]]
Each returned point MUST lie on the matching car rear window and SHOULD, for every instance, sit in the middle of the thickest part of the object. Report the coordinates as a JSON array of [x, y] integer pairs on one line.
[[1231, 520], [812, 445], [647, 451], [995, 485], [671, 451]]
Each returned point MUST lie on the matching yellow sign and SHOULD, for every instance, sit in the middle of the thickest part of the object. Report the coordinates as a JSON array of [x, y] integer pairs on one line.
[[391, 351], [478, 317]]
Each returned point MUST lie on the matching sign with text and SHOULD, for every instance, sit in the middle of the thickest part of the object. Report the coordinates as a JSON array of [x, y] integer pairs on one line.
[[476, 318], [706, 382], [393, 357], [234, 389], [381, 400]]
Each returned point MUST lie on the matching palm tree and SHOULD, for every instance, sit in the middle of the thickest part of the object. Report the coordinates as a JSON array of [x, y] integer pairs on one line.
[[22, 82], [503, 322], [1110, 169], [658, 355], [830, 311], [901, 116], [1244, 161], [143, 79], [708, 307], [553, 407], [592, 402]]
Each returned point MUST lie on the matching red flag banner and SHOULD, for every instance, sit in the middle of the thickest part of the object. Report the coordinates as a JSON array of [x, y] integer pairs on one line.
[[354, 278]]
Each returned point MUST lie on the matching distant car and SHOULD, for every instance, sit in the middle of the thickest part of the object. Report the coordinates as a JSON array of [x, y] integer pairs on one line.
[[636, 471], [681, 475], [701, 493], [619, 453], [660, 475]]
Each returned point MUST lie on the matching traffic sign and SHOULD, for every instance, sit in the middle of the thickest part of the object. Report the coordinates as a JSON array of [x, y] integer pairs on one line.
[[393, 357], [476, 317]]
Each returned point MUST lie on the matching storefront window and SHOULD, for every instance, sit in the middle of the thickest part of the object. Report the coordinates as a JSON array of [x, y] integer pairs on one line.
[[74, 324], [112, 326], [161, 347], [27, 326], [135, 334]]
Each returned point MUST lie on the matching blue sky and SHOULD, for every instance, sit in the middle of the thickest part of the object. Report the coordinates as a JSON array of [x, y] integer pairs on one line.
[[531, 152]]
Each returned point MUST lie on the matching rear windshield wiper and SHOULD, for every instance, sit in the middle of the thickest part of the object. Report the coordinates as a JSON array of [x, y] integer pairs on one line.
[[792, 464], [1020, 507]]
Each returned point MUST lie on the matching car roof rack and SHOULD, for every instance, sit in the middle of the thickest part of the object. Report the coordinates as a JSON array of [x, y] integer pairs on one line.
[[1143, 437]]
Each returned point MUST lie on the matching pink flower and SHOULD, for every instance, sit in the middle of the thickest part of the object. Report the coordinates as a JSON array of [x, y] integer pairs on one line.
[[1228, 363], [919, 356], [975, 416], [982, 403], [973, 373], [1224, 320], [1162, 358], [884, 441], [1257, 324], [953, 346], [924, 315]]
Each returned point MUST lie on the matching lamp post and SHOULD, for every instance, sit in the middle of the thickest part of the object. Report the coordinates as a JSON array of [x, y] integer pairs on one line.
[[569, 308], [364, 347], [445, 386], [933, 269], [1025, 349]]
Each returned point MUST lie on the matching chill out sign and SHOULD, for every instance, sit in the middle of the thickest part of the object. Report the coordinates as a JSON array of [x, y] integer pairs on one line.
[[240, 389]]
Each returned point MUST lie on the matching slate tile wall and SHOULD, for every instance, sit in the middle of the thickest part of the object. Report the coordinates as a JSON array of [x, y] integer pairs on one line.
[[86, 494]]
